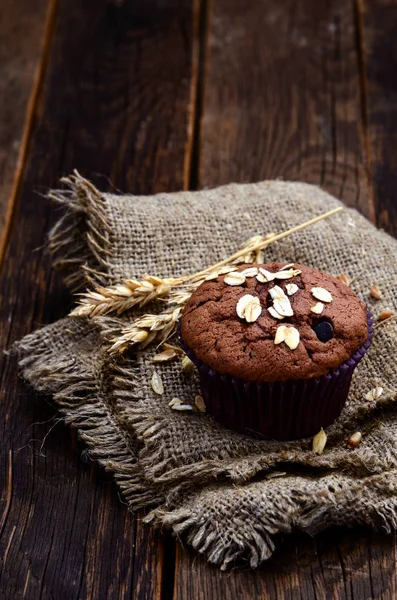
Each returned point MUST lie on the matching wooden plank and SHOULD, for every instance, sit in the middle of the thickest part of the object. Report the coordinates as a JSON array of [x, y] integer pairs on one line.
[[378, 21], [282, 98], [24, 31], [335, 565], [116, 103]]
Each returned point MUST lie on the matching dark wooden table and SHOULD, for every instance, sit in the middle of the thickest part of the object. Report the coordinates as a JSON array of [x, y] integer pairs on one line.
[[158, 95]]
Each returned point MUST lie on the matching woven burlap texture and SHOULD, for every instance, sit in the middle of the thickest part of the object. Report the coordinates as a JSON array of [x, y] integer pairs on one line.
[[196, 474]]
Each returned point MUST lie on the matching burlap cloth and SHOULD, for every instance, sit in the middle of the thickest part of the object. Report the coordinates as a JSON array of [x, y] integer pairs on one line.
[[226, 494]]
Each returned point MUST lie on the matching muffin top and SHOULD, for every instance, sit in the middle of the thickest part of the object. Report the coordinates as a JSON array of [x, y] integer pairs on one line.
[[274, 322]]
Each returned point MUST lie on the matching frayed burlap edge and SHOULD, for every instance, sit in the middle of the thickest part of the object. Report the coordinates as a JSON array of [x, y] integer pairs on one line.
[[86, 212], [82, 236], [81, 401], [80, 396], [239, 469], [85, 246], [306, 511]]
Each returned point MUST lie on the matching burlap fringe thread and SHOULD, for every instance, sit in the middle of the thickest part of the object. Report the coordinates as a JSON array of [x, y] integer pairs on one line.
[[80, 398], [83, 235]]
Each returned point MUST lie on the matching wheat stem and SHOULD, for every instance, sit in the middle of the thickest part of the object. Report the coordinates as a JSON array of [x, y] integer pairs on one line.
[[147, 329], [159, 328], [385, 321], [133, 293], [266, 241]]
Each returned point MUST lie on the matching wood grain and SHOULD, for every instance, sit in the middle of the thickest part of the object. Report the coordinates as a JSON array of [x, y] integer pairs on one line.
[[116, 103], [282, 97], [25, 28], [285, 90], [378, 21], [330, 566]]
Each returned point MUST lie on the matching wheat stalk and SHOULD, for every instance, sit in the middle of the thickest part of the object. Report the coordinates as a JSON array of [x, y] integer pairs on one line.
[[147, 329], [122, 297], [174, 291], [387, 320], [131, 293]]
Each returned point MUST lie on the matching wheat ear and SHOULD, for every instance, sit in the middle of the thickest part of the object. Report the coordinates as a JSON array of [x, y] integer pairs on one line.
[[124, 296], [147, 329], [160, 327]]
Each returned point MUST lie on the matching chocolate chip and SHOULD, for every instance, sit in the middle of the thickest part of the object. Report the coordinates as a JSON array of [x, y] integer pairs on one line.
[[323, 330]]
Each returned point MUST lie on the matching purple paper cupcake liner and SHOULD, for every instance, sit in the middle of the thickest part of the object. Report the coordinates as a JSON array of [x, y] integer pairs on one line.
[[282, 410]]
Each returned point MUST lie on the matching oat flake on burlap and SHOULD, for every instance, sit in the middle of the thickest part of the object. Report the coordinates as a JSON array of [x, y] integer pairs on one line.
[[195, 475]]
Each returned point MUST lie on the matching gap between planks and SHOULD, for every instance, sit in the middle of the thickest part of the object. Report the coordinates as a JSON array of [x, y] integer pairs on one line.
[[201, 14]]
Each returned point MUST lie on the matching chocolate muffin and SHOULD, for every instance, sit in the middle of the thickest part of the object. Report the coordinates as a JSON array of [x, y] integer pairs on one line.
[[276, 346]]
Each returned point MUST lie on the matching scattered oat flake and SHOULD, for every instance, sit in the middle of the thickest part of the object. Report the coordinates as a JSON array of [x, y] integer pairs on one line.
[[374, 394], [354, 440], [236, 278], [261, 278], [168, 354], [177, 349], [291, 288], [200, 404], [287, 266], [321, 294], [177, 404], [385, 314], [319, 442], [375, 292], [317, 308], [187, 364], [157, 384]]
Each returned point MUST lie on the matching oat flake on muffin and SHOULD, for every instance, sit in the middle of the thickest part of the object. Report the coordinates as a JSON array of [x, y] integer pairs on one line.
[[330, 318]]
